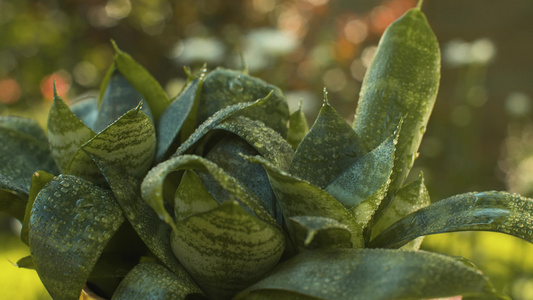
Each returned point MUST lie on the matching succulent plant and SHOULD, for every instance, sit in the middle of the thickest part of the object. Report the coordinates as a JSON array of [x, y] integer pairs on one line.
[[220, 193]]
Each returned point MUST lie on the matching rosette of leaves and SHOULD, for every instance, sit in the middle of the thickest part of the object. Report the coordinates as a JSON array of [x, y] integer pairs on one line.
[[219, 193]]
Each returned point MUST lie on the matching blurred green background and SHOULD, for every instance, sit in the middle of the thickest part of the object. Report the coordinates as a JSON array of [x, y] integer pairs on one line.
[[480, 136]]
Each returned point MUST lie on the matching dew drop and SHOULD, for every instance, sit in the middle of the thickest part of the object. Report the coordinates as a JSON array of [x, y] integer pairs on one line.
[[235, 86]]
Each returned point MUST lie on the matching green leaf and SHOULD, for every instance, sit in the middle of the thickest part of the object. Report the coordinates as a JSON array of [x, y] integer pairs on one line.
[[71, 222], [119, 97], [192, 197], [401, 83], [300, 198], [128, 142], [152, 186], [268, 142], [228, 155], [12, 203], [367, 175], [319, 232], [86, 109], [484, 211], [38, 181], [153, 281], [224, 88], [26, 263], [410, 198], [66, 133], [203, 130], [227, 249], [330, 147], [24, 150], [174, 117], [153, 94], [154, 232], [372, 274], [298, 127]]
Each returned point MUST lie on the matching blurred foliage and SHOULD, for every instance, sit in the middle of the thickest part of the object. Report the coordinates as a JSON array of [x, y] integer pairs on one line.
[[480, 134]]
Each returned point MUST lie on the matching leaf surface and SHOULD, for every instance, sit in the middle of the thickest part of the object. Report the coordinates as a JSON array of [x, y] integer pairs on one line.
[[153, 281], [371, 274], [298, 127], [71, 222], [483, 211], [227, 249]]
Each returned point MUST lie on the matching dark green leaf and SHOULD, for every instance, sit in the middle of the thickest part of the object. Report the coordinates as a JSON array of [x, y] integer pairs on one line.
[[120, 96], [319, 232], [152, 93], [298, 127], [66, 133], [173, 118], [13, 204], [300, 198], [128, 142], [154, 232], [401, 82], [71, 222], [484, 211], [369, 274], [224, 88], [152, 186], [227, 249], [23, 151], [153, 281], [368, 175], [228, 155], [86, 109], [214, 121], [26, 263], [411, 197], [38, 181], [330, 147]]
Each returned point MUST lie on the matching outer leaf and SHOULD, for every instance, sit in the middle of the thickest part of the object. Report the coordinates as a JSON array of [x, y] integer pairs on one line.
[[487, 211], [71, 222], [172, 119], [153, 94], [366, 176], [300, 198], [319, 232], [153, 281], [152, 186], [38, 181], [12, 204], [129, 142], [224, 88], [120, 96], [154, 232], [401, 82], [23, 151], [409, 198], [227, 249], [66, 133], [372, 274], [298, 127], [330, 147]]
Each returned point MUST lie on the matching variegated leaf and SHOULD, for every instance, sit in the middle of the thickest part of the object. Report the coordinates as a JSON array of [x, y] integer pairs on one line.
[[227, 249], [192, 197], [298, 127], [318, 232], [370, 274], [223, 88], [486, 211], [153, 281], [71, 222], [329, 149]]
